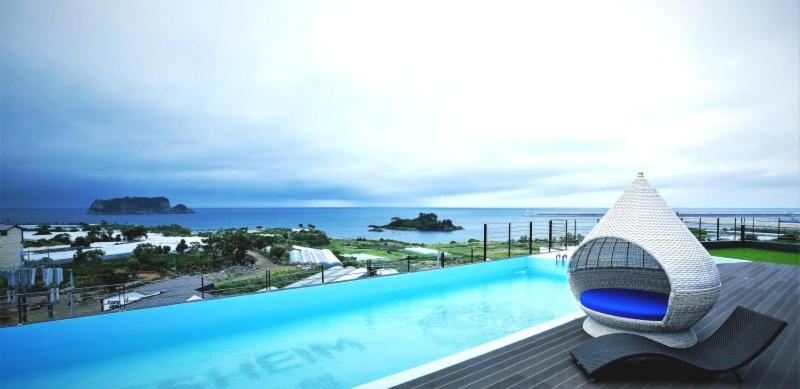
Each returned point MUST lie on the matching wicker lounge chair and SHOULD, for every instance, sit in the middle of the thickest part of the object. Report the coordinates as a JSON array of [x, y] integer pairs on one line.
[[743, 336], [641, 271]]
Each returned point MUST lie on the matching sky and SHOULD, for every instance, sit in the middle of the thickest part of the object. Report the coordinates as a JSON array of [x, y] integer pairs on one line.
[[399, 103]]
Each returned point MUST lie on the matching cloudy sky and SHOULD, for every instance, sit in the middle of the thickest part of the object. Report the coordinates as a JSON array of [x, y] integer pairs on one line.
[[399, 103]]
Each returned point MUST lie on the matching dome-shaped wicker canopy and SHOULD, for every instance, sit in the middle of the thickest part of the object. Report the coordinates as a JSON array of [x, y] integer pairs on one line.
[[640, 244], [610, 253]]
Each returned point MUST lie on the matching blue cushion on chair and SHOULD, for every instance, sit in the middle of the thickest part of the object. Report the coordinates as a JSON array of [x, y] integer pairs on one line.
[[629, 303]]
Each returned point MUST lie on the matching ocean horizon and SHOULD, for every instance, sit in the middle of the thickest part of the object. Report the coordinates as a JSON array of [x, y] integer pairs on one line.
[[340, 222]]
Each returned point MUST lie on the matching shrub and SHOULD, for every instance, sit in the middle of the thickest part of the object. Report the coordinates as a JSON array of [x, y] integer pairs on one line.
[[81, 256], [42, 229], [182, 246], [133, 265], [135, 232], [62, 238], [278, 252], [229, 246], [171, 230], [311, 238], [146, 252], [81, 241]]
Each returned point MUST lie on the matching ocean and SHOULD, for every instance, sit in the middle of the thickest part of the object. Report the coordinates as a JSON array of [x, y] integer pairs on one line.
[[339, 222]]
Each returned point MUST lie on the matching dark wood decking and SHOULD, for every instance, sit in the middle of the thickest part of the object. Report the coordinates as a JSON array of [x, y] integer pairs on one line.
[[543, 360]]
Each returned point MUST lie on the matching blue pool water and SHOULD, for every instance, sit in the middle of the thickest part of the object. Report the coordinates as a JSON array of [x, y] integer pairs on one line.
[[330, 336]]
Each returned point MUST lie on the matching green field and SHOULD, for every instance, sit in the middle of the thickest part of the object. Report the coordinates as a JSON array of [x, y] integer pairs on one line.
[[759, 255]]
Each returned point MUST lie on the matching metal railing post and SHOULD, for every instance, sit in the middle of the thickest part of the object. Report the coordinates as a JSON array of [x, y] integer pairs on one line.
[[19, 308], [122, 302], [566, 233], [408, 265], [471, 255], [267, 280], [509, 240], [323, 273], [699, 227], [24, 303], [202, 288], [369, 268], [779, 228], [742, 237], [72, 294], [50, 303], [717, 229], [549, 235], [754, 229], [530, 238], [485, 230]]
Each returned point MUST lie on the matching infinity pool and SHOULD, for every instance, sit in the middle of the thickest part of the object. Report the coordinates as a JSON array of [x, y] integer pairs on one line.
[[331, 336]]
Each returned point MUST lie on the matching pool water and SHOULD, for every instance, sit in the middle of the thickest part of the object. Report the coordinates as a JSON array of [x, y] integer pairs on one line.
[[331, 336]]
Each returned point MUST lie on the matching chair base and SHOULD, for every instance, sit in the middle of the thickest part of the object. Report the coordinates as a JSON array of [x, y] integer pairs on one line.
[[677, 339]]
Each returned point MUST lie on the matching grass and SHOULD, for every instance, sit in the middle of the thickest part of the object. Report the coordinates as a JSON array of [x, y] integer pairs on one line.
[[251, 283], [759, 255], [461, 251], [389, 249]]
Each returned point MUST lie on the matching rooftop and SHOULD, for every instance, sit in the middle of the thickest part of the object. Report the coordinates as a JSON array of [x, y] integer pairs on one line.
[[174, 291]]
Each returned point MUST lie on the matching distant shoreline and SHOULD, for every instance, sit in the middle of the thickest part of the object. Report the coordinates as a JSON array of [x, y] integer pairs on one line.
[[349, 222]]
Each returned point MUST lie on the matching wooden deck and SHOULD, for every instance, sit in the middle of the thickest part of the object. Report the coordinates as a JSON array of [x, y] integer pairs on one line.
[[543, 361]]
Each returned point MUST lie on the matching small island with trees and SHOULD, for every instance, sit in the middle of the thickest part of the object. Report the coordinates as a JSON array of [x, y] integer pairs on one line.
[[136, 206], [423, 222]]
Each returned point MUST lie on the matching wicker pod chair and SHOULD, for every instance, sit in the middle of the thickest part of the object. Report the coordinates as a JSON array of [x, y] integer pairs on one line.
[[640, 270]]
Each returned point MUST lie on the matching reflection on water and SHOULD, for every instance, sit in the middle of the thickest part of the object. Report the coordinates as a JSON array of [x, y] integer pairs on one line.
[[261, 368], [451, 325]]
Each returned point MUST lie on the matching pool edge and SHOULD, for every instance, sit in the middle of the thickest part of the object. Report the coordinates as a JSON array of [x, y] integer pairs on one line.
[[461, 356]]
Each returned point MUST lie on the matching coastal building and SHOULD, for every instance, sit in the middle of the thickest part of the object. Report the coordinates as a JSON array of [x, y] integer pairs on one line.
[[333, 274], [10, 246], [313, 257], [114, 301], [421, 251], [174, 291]]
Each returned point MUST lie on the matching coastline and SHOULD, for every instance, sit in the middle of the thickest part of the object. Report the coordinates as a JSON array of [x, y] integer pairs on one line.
[[347, 223]]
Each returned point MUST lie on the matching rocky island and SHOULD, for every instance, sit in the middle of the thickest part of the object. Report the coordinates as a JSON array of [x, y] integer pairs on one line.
[[424, 222], [135, 206]]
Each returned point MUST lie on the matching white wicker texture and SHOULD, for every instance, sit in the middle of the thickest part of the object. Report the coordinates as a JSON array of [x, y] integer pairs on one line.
[[648, 229], [681, 339], [619, 278]]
